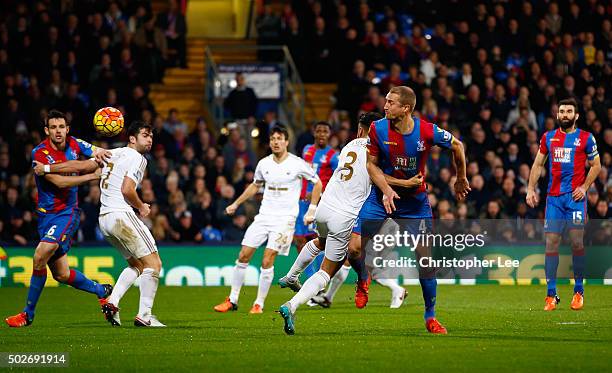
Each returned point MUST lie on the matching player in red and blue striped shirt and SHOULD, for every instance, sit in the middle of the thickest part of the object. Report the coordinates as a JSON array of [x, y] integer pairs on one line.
[[398, 149], [58, 213], [568, 149]]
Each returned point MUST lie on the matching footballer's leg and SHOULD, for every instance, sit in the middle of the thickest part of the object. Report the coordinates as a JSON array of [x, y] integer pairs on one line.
[[325, 300], [266, 275], [310, 250], [66, 275], [126, 279], [398, 293], [357, 259], [44, 251], [427, 279], [579, 265], [231, 302], [149, 281], [551, 263], [310, 288]]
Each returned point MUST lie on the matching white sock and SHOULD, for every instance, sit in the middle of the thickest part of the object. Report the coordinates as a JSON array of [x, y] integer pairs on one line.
[[237, 281], [310, 288], [390, 283], [305, 257], [265, 281], [148, 287], [124, 282], [336, 282]]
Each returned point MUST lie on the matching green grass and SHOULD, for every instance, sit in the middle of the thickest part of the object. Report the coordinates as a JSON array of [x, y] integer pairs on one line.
[[493, 328]]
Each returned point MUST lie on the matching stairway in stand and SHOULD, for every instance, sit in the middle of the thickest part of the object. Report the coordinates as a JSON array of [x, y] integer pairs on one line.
[[183, 89], [318, 101]]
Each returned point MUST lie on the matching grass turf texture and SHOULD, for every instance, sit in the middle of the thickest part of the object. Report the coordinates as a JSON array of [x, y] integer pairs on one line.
[[490, 327]]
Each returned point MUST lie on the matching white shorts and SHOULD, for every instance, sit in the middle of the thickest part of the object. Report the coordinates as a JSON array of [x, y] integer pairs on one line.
[[336, 230], [126, 232], [277, 230]]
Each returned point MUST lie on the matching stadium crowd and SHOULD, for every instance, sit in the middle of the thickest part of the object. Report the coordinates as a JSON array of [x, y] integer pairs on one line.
[[490, 73]]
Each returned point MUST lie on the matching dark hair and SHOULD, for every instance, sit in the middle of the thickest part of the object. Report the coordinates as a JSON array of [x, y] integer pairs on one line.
[[280, 129], [366, 119], [570, 101], [323, 123], [136, 126], [55, 114]]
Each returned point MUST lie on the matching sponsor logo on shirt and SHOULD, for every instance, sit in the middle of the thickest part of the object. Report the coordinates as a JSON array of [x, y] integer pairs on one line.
[[390, 143], [405, 163], [562, 155]]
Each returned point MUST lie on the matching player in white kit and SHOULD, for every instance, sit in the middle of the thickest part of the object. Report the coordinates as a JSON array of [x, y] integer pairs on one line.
[[121, 227], [281, 174], [335, 217]]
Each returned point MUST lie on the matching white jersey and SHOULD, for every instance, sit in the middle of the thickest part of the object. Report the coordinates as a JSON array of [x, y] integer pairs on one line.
[[123, 162], [350, 184], [283, 184]]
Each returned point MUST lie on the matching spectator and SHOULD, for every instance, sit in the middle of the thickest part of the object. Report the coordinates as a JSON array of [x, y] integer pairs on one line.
[[241, 102], [174, 26], [153, 50]]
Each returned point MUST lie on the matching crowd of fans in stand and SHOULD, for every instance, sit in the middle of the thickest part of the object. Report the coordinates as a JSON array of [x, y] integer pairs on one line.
[[489, 72]]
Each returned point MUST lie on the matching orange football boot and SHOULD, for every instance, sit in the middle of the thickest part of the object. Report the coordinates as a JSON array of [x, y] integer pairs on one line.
[[577, 302], [18, 321], [256, 309], [551, 303], [433, 326], [226, 306], [361, 293]]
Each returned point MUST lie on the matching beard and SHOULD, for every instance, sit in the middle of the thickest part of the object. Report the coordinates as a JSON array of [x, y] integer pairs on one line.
[[565, 124]]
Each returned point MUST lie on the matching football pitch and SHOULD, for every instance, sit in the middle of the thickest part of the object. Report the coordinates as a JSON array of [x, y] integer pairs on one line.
[[491, 327]]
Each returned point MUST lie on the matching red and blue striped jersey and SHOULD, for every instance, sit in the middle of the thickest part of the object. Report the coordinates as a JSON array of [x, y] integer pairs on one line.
[[567, 156], [404, 156], [52, 199], [324, 162]]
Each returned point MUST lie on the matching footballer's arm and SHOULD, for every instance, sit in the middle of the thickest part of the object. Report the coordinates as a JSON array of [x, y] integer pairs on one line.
[[128, 189], [462, 186], [249, 192], [314, 199], [378, 178], [83, 167], [595, 167], [61, 181], [534, 175]]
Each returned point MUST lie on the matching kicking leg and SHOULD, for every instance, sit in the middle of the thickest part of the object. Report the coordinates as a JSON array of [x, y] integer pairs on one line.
[[66, 275], [310, 250]]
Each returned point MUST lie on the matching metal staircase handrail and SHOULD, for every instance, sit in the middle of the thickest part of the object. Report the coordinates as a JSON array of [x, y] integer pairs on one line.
[[293, 104]]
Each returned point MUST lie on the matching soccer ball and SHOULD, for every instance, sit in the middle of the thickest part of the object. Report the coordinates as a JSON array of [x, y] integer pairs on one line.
[[108, 121]]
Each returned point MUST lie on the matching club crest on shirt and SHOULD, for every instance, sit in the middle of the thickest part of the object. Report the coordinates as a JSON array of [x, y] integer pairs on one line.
[[577, 141], [73, 153], [50, 159], [420, 146]]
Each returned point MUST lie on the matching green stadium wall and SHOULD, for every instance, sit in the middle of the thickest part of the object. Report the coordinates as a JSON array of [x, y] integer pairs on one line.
[[212, 266]]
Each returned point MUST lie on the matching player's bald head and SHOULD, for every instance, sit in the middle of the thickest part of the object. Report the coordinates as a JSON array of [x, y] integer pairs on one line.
[[406, 96]]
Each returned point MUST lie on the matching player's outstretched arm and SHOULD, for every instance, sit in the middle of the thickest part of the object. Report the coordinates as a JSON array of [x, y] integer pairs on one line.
[[249, 192], [462, 186], [414, 182], [82, 167], [61, 181], [378, 178], [595, 167], [534, 176], [128, 189]]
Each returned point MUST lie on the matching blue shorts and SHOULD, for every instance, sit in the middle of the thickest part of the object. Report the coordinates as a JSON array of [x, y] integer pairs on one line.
[[563, 212], [414, 208], [59, 228], [302, 230]]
